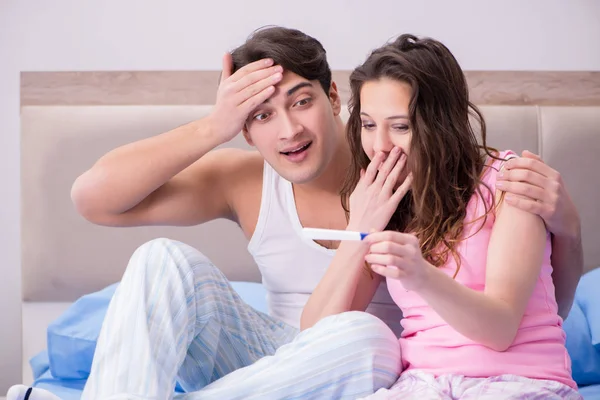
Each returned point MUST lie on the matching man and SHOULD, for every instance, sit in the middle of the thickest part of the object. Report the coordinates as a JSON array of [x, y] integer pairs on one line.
[[174, 317]]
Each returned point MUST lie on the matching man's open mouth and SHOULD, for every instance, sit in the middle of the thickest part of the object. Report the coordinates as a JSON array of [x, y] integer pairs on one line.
[[297, 150]]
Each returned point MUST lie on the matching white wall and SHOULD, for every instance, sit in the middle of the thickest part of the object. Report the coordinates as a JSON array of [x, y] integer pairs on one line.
[[186, 34]]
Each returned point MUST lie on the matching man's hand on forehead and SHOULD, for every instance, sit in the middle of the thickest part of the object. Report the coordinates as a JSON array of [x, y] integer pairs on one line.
[[240, 93]]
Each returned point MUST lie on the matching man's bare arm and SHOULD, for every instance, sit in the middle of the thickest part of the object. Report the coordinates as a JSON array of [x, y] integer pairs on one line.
[[174, 178]]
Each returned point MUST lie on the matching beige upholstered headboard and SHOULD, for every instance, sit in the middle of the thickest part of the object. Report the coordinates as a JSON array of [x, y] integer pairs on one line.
[[68, 120], [63, 255]]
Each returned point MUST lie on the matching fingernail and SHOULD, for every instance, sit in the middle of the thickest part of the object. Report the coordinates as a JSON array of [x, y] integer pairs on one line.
[[268, 61], [499, 184], [276, 77], [278, 68], [395, 150], [510, 197]]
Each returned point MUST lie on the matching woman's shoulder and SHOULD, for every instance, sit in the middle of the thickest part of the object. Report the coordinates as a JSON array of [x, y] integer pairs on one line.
[[495, 164], [487, 193]]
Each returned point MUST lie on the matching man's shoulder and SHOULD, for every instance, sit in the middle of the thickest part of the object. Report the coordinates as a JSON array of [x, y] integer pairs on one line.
[[239, 167], [234, 160], [241, 180]]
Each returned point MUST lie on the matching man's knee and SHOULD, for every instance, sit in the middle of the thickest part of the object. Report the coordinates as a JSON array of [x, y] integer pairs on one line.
[[171, 256], [366, 345], [363, 330], [361, 321]]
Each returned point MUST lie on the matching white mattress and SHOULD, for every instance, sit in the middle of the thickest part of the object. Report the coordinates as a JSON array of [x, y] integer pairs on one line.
[[36, 318]]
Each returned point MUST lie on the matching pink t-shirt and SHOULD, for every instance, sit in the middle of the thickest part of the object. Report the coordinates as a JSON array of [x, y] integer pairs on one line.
[[429, 344]]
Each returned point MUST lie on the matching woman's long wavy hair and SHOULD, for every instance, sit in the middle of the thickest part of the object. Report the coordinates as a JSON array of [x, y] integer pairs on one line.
[[445, 156]]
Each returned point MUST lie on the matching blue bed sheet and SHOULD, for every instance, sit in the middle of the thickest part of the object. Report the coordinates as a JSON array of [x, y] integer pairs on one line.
[[64, 367]]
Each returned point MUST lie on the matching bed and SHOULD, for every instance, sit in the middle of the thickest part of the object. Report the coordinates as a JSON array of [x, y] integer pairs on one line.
[[68, 120]]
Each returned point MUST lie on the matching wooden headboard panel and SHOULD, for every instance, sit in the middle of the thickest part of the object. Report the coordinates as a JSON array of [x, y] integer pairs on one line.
[[199, 87]]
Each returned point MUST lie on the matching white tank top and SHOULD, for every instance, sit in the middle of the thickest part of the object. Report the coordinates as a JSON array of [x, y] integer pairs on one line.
[[292, 265]]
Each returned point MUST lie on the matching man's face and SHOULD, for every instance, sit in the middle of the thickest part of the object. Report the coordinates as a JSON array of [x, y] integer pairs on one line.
[[295, 129]]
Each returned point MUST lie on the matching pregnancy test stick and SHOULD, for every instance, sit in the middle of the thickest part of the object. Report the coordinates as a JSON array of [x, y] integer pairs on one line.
[[332, 234]]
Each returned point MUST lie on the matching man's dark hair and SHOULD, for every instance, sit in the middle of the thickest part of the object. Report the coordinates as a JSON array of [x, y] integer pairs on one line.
[[294, 50]]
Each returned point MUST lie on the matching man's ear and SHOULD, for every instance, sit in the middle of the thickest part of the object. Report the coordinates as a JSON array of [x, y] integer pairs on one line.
[[334, 98], [247, 135]]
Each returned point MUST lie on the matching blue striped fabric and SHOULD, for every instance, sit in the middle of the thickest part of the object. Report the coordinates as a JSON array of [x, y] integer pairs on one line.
[[175, 318]]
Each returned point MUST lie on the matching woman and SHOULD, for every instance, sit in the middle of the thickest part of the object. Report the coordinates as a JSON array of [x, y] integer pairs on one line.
[[471, 273]]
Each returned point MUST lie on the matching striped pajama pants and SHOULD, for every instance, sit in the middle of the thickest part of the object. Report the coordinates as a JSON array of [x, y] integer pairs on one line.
[[175, 318]]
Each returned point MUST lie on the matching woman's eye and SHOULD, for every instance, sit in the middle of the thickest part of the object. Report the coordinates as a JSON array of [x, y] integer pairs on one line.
[[367, 125]]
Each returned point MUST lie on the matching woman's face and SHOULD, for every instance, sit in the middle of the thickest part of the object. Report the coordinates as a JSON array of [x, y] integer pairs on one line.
[[384, 105]]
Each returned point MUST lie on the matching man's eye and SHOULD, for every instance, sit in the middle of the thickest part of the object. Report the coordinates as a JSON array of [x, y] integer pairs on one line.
[[260, 117], [303, 102]]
